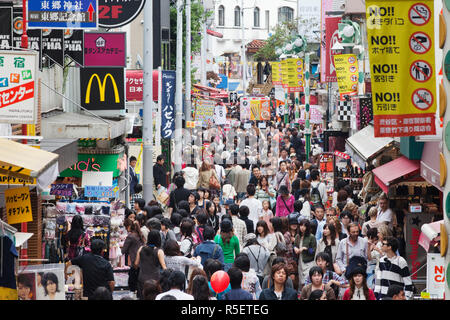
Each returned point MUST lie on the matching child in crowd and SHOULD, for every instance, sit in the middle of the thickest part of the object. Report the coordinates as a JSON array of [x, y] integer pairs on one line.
[[267, 214]]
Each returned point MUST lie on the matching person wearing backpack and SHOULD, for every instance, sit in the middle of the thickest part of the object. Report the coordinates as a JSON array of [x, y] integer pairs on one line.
[[318, 189], [208, 249]]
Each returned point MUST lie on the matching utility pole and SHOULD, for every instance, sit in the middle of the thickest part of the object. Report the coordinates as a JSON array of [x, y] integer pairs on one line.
[[188, 115], [203, 51], [307, 108], [179, 89], [147, 125], [244, 59]]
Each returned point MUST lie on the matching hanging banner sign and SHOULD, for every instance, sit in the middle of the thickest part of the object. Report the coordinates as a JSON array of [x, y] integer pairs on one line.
[[62, 14], [53, 45], [135, 85], [220, 115], [294, 75], [18, 73], [276, 73], [102, 88], [117, 13], [105, 49], [18, 205], [168, 85], [315, 114], [255, 109], [73, 45], [347, 74], [330, 35], [400, 34], [6, 33]]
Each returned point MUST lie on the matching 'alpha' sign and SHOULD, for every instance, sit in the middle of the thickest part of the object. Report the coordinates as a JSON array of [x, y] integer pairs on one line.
[[114, 14], [102, 88]]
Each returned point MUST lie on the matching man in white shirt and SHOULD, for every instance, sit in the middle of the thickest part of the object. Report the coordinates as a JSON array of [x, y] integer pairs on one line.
[[191, 177], [177, 282], [220, 171], [284, 156], [385, 214], [253, 204]]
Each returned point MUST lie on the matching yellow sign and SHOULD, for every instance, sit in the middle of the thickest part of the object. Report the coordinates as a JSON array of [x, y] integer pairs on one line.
[[5, 179], [292, 74], [102, 88], [276, 73], [346, 66], [401, 51], [18, 205]]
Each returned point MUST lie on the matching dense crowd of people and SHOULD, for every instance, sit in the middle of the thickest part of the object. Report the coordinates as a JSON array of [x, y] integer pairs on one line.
[[275, 231]]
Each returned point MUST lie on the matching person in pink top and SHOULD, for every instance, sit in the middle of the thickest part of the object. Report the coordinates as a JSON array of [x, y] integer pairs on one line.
[[285, 202]]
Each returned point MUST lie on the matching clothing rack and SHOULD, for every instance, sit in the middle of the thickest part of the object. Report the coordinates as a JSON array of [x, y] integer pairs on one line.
[[84, 201]]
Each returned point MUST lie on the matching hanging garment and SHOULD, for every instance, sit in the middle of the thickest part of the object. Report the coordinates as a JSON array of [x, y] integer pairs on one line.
[[8, 254]]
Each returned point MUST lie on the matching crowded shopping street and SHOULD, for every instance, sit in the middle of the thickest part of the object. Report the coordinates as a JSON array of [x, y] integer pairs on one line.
[[224, 150]]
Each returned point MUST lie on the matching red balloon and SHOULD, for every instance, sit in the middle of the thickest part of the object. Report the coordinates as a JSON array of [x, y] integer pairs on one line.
[[220, 281]]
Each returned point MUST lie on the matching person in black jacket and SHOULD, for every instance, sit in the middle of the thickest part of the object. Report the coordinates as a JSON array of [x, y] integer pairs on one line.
[[160, 173], [177, 195], [134, 180], [244, 211], [279, 290], [297, 143]]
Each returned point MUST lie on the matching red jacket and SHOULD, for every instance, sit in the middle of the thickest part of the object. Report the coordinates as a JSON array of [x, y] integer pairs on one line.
[[347, 295]]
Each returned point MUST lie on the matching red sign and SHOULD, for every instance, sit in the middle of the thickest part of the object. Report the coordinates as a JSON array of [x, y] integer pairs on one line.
[[17, 94], [135, 85], [331, 37], [404, 125], [341, 154]]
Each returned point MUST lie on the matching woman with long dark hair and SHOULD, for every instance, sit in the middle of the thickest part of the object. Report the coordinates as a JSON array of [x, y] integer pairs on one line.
[[212, 217], [358, 289], [305, 246], [329, 243], [135, 239], [175, 260], [149, 260], [200, 288], [77, 238]]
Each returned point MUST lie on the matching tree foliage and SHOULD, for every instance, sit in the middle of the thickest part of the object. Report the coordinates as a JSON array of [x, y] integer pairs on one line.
[[280, 36]]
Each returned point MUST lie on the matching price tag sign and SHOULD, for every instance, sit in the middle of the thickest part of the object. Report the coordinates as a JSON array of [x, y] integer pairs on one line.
[[99, 192], [63, 190], [18, 205]]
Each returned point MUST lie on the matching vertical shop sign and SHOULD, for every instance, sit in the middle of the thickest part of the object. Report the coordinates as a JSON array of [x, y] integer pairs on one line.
[[53, 45], [18, 205], [400, 35], [74, 45], [168, 104], [346, 66], [329, 35], [17, 87], [6, 35]]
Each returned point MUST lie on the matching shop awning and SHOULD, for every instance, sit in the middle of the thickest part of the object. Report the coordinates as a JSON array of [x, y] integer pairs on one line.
[[399, 169], [429, 164], [67, 149], [363, 145], [23, 161]]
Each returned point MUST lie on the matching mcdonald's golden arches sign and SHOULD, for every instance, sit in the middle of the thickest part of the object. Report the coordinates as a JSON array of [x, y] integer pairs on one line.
[[102, 88]]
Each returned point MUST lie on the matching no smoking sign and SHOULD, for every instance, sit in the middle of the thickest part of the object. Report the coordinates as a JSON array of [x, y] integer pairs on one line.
[[419, 14]]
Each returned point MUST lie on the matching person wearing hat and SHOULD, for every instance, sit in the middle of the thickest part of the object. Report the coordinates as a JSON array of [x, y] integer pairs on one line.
[[358, 289], [228, 242]]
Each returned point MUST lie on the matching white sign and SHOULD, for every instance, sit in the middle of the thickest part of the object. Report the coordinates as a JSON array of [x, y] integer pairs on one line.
[[220, 115], [93, 178], [435, 275], [18, 76], [309, 18]]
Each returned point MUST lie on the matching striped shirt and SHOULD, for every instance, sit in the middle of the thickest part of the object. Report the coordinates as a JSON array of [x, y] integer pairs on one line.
[[393, 271]]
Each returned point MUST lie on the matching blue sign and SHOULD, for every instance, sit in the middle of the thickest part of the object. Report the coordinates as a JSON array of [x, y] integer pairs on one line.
[[99, 192], [168, 104], [62, 14]]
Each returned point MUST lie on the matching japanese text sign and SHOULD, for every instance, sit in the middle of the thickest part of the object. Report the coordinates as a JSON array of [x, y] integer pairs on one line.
[[347, 74], [18, 205], [168, 84], [330, 35], [135, 85], [17, 87], [204, 112], [400, 36], [99, 192], [62, 14], [104, 49], [62, 189]]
